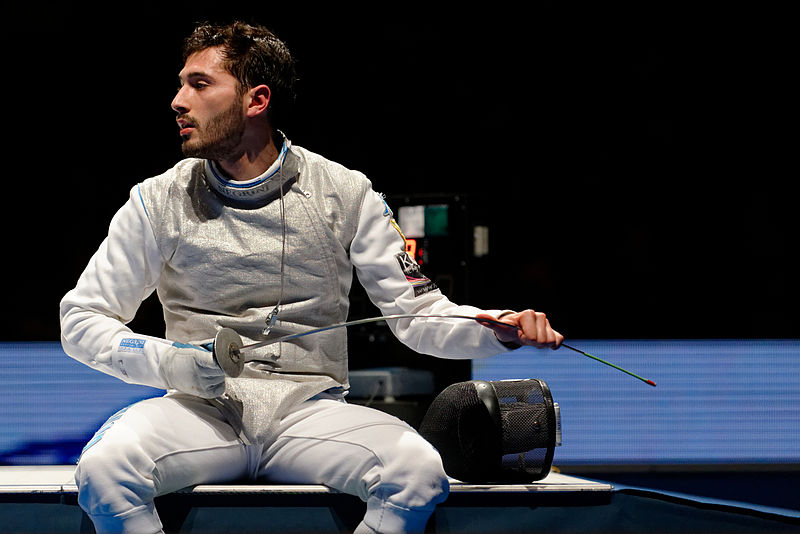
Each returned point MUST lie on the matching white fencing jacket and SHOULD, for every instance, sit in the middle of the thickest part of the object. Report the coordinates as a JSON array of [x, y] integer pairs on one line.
[[212, 250]]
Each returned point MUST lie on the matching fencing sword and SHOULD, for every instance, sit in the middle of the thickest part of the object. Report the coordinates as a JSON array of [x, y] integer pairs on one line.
[[228, 346]]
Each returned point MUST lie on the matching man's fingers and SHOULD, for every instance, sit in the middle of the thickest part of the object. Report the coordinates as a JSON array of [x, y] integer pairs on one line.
[[537, 330], [543, 330], [528, 327], [559, 340]]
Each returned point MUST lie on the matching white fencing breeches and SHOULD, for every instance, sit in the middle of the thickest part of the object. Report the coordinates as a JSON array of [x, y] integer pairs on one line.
[[160, 445]]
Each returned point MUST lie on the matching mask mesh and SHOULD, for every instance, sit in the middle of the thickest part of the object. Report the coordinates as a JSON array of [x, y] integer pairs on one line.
[[493, 431]]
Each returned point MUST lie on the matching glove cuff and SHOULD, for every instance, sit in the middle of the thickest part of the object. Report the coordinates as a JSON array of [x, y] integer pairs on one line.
[[135, 358]]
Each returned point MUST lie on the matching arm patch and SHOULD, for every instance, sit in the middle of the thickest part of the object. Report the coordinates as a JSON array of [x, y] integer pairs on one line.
[[421, 283]]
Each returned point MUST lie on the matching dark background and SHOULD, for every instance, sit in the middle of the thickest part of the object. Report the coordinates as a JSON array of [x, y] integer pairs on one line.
[[632, 162]]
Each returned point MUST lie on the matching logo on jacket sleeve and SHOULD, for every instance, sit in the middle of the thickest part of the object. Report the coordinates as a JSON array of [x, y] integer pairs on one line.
[[130, 344], [421, 283]]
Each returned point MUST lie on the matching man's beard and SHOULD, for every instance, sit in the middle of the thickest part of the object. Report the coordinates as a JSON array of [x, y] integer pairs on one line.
[[219, 138]]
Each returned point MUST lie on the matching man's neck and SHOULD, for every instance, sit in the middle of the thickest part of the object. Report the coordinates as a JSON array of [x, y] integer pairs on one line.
[[252, 162]]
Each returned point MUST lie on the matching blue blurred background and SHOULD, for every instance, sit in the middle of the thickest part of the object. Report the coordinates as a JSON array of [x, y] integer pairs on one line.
[[717, 401]]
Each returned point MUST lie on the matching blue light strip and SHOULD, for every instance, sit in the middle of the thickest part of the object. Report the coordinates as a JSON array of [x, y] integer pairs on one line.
[[717, 401]]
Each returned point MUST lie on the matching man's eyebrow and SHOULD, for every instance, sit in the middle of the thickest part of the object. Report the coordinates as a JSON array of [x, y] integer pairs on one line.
[[193, 75]]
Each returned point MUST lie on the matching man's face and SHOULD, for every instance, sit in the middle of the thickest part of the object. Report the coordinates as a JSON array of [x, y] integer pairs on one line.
[[211, 115]]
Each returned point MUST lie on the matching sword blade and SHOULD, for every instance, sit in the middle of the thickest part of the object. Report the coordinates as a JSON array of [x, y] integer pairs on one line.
[[304, 333]]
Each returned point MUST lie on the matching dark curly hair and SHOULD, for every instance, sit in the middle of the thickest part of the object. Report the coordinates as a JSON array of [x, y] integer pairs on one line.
[[254, 56]]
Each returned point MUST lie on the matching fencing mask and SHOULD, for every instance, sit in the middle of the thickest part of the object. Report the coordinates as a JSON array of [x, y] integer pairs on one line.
[[491, 432]]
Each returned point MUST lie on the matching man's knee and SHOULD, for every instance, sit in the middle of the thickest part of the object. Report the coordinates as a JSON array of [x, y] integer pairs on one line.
[[415, 478], [113, 475], [413, 482]]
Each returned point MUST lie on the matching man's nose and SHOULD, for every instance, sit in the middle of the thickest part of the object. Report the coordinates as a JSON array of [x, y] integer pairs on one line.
[[179, 103]]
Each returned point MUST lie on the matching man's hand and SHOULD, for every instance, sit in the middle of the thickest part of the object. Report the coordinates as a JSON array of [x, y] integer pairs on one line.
[[533, 328], [192, 369]]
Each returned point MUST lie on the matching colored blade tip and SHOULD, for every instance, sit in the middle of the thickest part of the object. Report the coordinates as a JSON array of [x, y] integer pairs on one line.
[[650, 382]]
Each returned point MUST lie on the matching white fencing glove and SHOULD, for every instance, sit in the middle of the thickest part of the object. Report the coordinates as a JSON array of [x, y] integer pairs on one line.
[[192, 369]]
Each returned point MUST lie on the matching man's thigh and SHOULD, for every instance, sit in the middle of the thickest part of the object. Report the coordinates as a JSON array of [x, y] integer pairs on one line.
[[344, 446], [182, 440]]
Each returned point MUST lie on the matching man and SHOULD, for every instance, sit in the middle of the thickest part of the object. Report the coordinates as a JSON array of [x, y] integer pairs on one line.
[[250, 227]]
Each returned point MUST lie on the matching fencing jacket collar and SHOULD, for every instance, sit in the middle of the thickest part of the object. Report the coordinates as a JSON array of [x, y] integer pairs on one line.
[[260, 190]]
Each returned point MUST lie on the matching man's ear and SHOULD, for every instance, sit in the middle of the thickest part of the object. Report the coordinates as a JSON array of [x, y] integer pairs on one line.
[[259, 98]]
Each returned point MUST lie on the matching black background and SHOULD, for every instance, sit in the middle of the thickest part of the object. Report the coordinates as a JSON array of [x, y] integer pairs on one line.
[[634, 163]]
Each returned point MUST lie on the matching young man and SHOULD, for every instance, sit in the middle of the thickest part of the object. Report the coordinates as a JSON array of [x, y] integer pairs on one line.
[[250, 227]]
